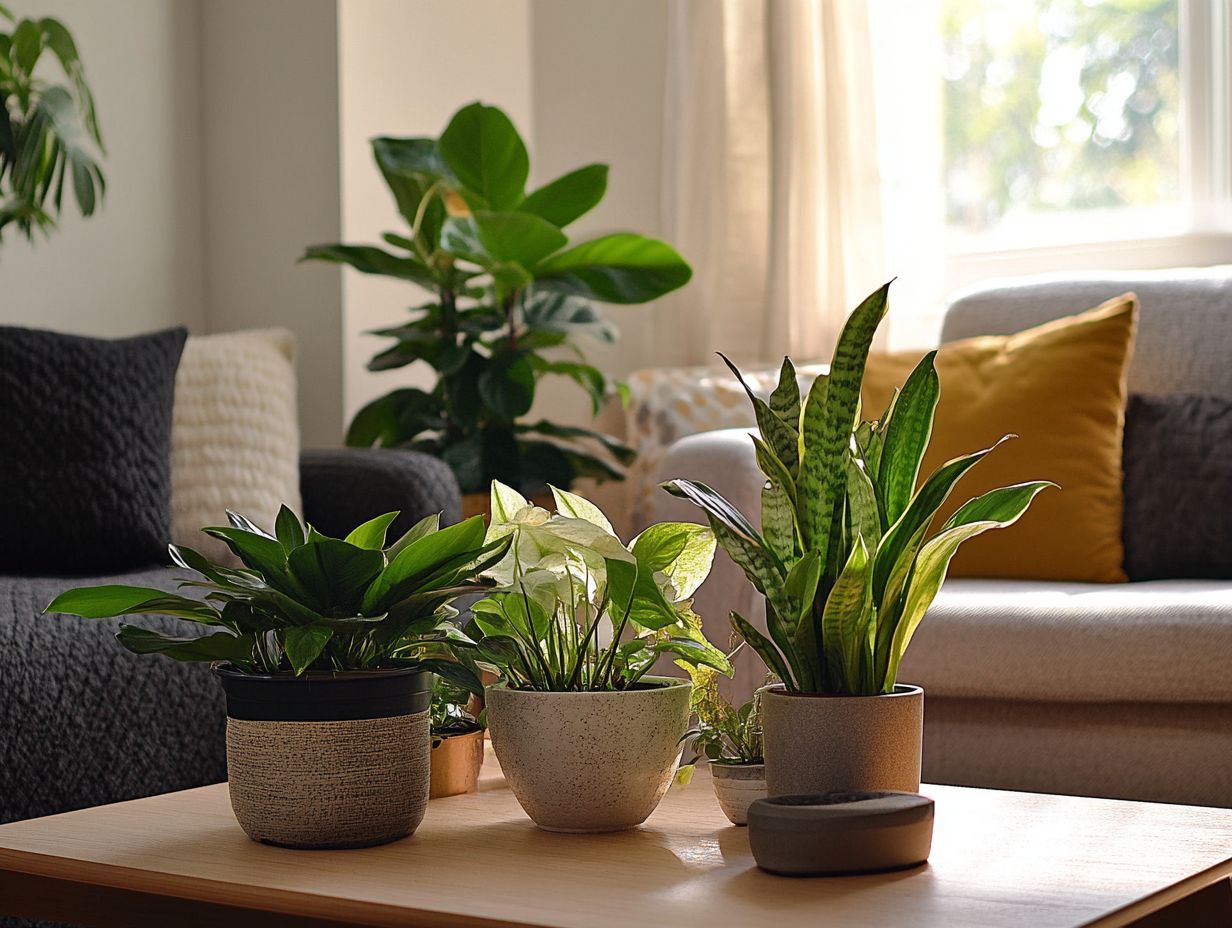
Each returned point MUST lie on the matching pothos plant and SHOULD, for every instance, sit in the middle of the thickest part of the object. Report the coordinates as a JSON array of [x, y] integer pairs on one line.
[[450, 710], [305, 601], [577, 610], [844, 556], [725, 734], [508, 286], [48, 131]]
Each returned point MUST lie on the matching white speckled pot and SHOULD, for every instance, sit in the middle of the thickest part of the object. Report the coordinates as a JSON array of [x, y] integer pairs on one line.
[[589, 762], [818, 744], [736, 786]]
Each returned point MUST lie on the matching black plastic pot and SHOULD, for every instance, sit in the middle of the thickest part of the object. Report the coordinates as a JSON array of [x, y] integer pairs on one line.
[[319, 696]]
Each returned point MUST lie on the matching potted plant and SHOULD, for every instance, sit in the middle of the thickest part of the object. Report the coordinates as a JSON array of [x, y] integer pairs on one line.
[[847, 565], [587, 737], [46, 129], [508, 286], [323, 647], [457, 740], [730, 739]]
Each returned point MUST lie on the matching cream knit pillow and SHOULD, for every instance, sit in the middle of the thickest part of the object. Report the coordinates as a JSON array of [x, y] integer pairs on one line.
[[234, 434]]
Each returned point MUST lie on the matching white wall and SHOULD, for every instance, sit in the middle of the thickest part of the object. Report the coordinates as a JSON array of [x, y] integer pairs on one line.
[[405, 67], [137, 264]]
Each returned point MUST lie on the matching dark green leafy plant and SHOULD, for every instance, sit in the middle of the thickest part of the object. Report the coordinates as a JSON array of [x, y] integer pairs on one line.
[[304, 601], [508, 286], [844, 557], [724, 734], [450, 710], [577, 610], [46, 129]]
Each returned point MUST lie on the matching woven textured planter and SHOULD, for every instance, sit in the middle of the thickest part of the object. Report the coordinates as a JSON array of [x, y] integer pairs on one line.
[[736, 786], [328, 760], [822, 744], [456, 761], [589, 762]]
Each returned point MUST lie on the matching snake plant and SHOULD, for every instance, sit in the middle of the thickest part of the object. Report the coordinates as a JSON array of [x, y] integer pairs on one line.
[[844, 556]]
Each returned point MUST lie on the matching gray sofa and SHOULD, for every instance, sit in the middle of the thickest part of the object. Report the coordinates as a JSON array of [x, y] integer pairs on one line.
[[1120, 690], [83, 722]]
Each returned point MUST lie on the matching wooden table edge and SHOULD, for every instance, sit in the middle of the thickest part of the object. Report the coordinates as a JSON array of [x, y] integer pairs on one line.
[[1159, 901], [89, 885]]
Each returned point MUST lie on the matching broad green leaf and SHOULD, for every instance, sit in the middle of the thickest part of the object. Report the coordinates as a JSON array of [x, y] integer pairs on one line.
[[694, 653], [487, 238], [220, 646], [484, 152], [565, 315], [368, 259], [506, 503], [1008, 503], [263, 554], [411, 167], [507, 385], [682, 550], [304, 644], [844, 621], [618, 268], [288, 529], [104, 602], [371, 534], [428, 525], [419, 559], [823, 477], [906, 439], [586, 376], [335, 574], [392, 419], [578, 507], [623, 453], [569, 197], [633, 592]]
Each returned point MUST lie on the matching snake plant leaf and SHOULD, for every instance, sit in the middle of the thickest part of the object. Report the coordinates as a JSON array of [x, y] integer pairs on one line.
[[920, 511], [220, 646], [304, 644], [808, 483], [844, 621], [996, 509], [774, 469], [371, 535], [778, 522], [780, 436], [764, 647], [369, 259], [862, 506], [785, 398], [907, 436], [569, 197], [802, 584], [484, 151], [823, 477], [715, 506]]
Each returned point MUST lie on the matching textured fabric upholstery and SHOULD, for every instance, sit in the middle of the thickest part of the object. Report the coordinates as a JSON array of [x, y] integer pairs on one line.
[[1165, 641], [1184, 321]]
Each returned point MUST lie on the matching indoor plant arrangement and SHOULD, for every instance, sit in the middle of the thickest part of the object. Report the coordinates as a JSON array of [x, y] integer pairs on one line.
[[507, 286], [846, 564], [457, 739], [587, 738], [47, 130], [324, 648], [730, 739]]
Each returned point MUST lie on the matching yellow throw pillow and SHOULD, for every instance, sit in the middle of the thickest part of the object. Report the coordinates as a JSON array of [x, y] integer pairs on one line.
[[1061, 388]]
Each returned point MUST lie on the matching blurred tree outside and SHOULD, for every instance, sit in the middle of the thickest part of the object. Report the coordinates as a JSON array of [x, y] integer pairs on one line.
[[1056, 105]]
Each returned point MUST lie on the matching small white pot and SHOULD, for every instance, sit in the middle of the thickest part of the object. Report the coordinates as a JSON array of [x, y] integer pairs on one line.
[[736, 786], [589, 762]]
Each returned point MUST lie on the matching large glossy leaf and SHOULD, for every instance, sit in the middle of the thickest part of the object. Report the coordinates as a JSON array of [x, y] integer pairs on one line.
[[489, 238], [622, 452], [411, 167], [823, 476], [369, 259], [578, 507], [618, 268], [906, 438], [507, 385], [220, 646], [371, 534], [392, 419], [569, 197], [288, 529], [486, 155], [421, 558], [335, 574], [304, 644], [566, 315], [683, 550], [104, 602]]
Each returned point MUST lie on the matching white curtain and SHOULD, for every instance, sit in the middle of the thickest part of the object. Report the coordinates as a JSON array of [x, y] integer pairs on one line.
[[772, 187]]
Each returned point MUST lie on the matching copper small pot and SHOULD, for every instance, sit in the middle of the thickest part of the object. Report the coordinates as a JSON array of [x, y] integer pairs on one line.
[[456, 760]]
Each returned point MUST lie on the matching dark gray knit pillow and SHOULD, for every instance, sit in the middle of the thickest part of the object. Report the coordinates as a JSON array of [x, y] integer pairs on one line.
[[85, 450], [1178, 487]]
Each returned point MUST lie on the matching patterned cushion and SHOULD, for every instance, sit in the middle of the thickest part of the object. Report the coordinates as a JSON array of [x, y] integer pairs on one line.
[[235, 438], [85, 428]]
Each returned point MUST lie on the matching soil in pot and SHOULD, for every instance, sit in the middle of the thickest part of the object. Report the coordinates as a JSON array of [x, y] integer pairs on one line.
[[456, 760], [328, 760], [822, 744], [589, 762], [737, 786]]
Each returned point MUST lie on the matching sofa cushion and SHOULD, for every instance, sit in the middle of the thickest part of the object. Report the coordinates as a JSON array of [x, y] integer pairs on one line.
[[1178, 487], [85, 432], [1167, 641]]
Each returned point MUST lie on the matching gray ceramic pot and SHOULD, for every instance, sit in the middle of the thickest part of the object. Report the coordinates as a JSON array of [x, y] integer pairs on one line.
[[589, 762], [736, 786], [820, 744]]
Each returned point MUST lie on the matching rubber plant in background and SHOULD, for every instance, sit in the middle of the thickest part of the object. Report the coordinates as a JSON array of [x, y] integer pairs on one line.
[[587, 737], [342, 631], [512, 295], [49, 132], [845, 558]]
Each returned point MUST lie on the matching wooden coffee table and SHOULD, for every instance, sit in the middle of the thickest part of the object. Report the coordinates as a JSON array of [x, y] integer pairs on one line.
[[998, 859]]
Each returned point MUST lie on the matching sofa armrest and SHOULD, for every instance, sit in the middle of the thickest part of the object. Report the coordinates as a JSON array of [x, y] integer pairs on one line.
[[343, 487]]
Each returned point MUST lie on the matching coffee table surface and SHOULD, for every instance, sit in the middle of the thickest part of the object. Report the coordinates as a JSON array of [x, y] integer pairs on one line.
[[999, 858]]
